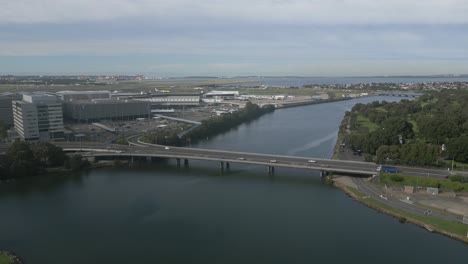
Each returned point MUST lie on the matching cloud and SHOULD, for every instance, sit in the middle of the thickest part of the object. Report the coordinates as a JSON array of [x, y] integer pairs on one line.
[[258, 11], [297, 37], [275, 44]]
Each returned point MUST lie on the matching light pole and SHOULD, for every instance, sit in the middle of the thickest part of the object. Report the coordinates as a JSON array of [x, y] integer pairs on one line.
[[452, 161]]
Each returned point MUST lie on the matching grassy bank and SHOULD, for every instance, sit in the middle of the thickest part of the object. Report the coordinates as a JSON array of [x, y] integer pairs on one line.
[[4, 259], [451, 229], [402, 180]]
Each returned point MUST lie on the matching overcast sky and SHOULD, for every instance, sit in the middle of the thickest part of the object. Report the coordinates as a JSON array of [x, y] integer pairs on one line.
[[237, 37]]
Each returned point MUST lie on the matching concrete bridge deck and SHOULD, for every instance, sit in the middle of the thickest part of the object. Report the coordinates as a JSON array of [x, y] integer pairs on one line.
[[329, 165], [148, 150]]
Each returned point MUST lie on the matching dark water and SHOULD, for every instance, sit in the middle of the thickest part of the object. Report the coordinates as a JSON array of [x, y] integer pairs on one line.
[[163, 214]]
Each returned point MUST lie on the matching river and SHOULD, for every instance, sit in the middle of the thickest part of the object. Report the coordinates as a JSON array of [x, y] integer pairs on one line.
[[158, 213]]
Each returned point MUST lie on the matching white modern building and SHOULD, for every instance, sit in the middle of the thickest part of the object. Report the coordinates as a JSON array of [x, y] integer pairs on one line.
[[38, 117], [222, 94], [83, 95], [173, 100]]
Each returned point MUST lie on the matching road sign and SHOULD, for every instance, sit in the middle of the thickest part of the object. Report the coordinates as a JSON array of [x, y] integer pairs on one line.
[[465, 220]]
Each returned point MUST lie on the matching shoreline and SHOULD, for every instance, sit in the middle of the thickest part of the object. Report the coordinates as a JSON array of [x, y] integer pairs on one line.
[[402, 217], [394, 214]]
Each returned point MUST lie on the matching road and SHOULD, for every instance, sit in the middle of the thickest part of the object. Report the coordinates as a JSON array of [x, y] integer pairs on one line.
[[377, 194], [145, 150], [337, 166]]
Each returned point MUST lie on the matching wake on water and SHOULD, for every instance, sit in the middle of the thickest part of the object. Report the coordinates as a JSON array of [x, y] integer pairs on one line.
[[312, 144]]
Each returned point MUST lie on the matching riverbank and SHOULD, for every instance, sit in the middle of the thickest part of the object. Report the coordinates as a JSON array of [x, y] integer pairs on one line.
[[431, 225], [453, 230]]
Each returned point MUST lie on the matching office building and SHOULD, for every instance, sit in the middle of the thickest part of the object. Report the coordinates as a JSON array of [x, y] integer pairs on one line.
[[38, 117], [6, 110]]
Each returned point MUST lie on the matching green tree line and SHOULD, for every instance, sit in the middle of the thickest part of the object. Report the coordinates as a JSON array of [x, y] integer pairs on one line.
[[413, 132], [223, 123], [209, 127], [24, 159]]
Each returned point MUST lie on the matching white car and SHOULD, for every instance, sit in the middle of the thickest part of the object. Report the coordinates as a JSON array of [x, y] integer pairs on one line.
[[241, 158], [167, 148], [273, 161], [312, 161]]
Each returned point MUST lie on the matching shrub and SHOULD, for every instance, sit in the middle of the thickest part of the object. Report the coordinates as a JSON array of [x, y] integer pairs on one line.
[[397, 178], [458, 178]]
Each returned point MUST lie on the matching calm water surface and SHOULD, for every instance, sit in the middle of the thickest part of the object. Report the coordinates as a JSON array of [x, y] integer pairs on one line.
[[158, 213]]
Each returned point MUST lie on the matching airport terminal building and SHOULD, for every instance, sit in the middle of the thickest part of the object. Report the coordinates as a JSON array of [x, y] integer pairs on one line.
[[95, 110]]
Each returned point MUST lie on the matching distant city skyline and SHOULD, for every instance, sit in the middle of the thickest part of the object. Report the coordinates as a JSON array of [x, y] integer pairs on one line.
[[230, 38]]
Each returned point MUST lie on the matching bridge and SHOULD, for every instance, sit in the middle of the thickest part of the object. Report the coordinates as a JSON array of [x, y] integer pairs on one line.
[[412, 95], [139, 149], [224, 158]]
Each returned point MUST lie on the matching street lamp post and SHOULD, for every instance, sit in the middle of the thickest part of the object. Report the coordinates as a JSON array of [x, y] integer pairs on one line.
[[452, 161]]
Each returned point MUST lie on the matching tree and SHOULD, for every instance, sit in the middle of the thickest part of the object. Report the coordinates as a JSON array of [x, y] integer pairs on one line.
[[75, 162], [48, 154], [458, 149], [20, 160], [3, 132], [458, 178]]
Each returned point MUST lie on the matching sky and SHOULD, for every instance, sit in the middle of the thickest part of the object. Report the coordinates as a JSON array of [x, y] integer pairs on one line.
[[232, 38]]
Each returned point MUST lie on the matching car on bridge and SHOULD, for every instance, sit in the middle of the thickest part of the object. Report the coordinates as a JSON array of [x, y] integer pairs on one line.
[[241, 158], [273, 161], [167, 148], [312, 161]]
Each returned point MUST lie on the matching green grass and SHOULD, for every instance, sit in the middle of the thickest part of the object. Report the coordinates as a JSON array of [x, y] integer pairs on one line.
[[393, 179], [365, 122], [444, 225], [460, 165], [381, 109], [415, 130], [175, 86], [433, 101], [5, 259], [415, 127], [275, 91]]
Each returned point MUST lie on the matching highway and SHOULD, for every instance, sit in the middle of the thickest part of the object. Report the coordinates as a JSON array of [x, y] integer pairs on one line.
[[377, 194], [144, 150], [141, 149]]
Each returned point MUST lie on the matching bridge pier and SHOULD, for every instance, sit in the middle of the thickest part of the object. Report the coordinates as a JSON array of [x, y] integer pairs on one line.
[[178, 162], [221, 165], [271, 170], [185, 162], [227, 165]]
